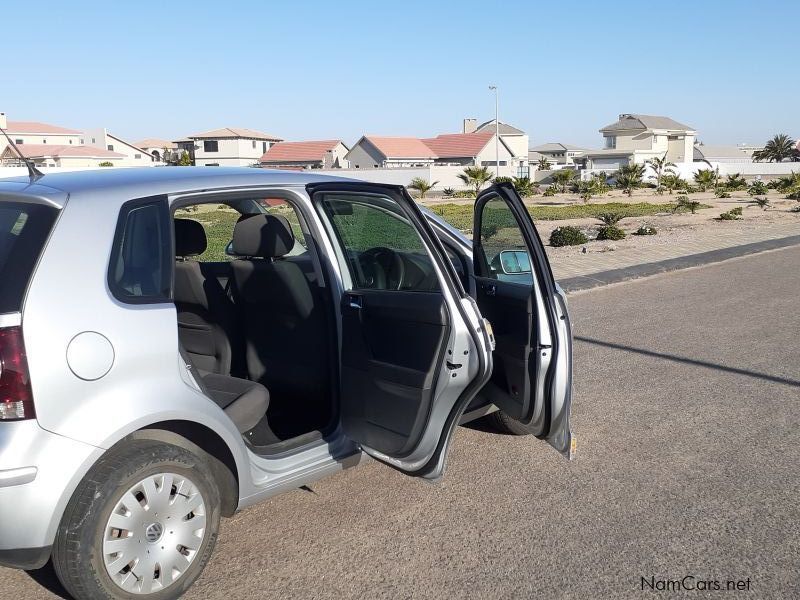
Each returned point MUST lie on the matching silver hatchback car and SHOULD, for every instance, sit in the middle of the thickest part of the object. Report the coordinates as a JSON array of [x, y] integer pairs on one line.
[[180, 343]]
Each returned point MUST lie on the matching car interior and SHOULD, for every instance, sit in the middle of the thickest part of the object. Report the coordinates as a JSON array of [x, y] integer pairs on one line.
[[256, 321], [253, 321]]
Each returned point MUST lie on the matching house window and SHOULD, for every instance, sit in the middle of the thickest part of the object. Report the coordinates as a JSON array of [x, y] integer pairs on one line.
[[210, 146], [44, 141], [137, 156], [655, 139], [212, 164], [93, 141], [70, 142], [110, 147], [254, 144], [611, 142], [81, 141], [19, 142], [263, 146]]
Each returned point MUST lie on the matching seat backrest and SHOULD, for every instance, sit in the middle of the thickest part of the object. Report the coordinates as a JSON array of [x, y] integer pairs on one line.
[[206, 316], [284, 319]]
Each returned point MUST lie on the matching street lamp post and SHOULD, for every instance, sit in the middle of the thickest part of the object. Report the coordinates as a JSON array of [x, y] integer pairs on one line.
[[496, 132]]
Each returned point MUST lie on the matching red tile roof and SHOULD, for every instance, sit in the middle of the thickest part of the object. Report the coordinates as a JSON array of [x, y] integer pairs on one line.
[[457, 145], [299, 151], [61, 151], [401, 147], [36, 127], [156, 143], [235, 133]]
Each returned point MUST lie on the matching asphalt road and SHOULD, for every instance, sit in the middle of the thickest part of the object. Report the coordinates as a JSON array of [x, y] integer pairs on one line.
[[686, 410]]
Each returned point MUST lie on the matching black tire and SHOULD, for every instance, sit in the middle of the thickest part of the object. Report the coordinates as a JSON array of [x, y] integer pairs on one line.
[[77, 551], [505, 424]]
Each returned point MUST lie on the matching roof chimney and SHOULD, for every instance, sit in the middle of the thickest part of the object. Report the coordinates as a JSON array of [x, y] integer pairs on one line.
[[470, 125], [3, 121]]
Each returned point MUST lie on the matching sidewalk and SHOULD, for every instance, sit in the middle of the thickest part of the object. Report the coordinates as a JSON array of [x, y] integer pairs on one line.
[[570, 263]]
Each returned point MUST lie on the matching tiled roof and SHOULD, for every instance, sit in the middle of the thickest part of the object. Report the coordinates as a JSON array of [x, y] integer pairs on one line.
[[505, 128], [61, 151], [155, 143], [631, 121], [235, 133], [711, 152], [299, 151], [33, 127], [400, 147], [457, 145]]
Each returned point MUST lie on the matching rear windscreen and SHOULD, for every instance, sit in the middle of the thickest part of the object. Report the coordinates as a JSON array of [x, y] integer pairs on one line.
[[24, 229]]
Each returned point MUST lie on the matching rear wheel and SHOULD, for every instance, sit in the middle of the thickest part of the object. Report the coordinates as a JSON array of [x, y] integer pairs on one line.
[[505, 424], [142, 524]]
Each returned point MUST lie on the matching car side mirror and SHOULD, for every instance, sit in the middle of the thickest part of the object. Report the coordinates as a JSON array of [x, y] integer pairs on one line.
[[515, 262]]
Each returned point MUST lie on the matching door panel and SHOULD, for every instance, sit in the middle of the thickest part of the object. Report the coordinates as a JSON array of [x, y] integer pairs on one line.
[[516, 291], [412, 355], [391, 349]]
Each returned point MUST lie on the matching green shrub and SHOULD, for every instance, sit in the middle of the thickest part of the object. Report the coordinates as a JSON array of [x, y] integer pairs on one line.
[[794, 194], [736, 211], [567, 236], [610, 218], [503, 179], [105, 163], [795, 209], [645, 230], [721, 192], [735, 182], [550, 191], [757, 188], [448, 191], [610, 232], [728, 216], [762, 203], [773, 184]]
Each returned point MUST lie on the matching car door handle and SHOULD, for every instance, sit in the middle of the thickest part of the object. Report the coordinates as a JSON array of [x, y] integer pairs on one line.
[[356, 302]]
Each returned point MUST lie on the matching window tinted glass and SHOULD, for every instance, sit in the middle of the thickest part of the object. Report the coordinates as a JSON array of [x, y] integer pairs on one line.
[[504, 251], [382, 247], [140, 270], [23, 231]]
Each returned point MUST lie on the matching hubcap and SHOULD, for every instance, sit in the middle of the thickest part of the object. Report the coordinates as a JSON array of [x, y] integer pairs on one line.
[[154, 533]]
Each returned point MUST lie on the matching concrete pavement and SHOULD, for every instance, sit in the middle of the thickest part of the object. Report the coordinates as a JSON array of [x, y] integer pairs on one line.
[[686, 410]]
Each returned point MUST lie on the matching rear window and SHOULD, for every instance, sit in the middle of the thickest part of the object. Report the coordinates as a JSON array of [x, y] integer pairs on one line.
[[24, 229]]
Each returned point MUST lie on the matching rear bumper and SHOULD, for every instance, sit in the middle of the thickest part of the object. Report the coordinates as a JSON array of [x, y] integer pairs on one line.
[[39, 471], [25, 558]]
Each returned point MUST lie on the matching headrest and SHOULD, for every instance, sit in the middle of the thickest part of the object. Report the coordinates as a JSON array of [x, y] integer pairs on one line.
[[190, 238], [265, 236]]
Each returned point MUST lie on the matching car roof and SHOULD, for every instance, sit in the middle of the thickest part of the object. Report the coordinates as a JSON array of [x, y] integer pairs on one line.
[[146, 181]]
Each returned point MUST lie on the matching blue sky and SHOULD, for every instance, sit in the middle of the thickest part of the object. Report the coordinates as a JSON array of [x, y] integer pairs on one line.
[[305, 70]]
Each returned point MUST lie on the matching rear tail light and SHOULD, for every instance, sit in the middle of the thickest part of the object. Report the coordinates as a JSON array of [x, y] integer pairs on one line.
[[16, 398]]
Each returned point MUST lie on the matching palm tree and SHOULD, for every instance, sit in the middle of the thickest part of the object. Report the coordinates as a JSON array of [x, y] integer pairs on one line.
[[563, 177], [475, 177], [735, 182], [610, 218], [421, 185], [671, 182], [544, 164], [659, 165], [778, 149], [704, 179], [524, 186], [762, 203], [629, 177]]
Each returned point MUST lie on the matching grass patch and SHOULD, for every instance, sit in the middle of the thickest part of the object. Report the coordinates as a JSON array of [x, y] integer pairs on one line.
[[460, 215]]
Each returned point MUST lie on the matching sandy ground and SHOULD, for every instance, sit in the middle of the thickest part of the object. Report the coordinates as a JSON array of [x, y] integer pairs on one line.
[[672, 228]]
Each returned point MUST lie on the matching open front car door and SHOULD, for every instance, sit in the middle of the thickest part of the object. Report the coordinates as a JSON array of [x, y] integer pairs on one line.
[[531, 381], [414, 350]]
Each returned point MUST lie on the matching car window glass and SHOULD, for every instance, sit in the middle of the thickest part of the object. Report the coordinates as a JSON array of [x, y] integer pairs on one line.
[[23, 230], [218, 221], [504, 251], [382, 247], [140, 269], [280, 207]]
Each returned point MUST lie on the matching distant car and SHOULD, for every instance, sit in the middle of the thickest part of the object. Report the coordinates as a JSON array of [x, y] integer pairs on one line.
[[180, 343]]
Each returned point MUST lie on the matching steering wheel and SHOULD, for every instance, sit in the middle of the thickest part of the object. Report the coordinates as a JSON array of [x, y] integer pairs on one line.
[[386, 266]]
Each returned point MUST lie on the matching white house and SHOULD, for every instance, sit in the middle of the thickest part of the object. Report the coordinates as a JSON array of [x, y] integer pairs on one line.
[[316, 154], [61, 155], [477, 148], [635, 138], [557, 153], [231, 147], [34, 132], [515, 139], [381, 152], [160, 150], [133, 155], [724, 154]]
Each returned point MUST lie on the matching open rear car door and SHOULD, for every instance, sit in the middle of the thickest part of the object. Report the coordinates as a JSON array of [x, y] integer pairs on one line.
[[531, 381], [414, 349]]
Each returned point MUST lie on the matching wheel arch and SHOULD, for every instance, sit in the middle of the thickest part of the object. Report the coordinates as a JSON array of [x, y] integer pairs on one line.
[[198, 438]]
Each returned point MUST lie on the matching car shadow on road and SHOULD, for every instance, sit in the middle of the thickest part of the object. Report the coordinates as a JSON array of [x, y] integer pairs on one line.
[[47, 578], [690, 361]]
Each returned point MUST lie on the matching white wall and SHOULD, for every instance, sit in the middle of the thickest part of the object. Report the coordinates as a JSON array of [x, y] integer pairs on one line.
[[231, 152], [446, 176]]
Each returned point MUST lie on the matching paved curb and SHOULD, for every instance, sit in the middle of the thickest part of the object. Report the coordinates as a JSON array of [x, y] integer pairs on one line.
[[585, 282]]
